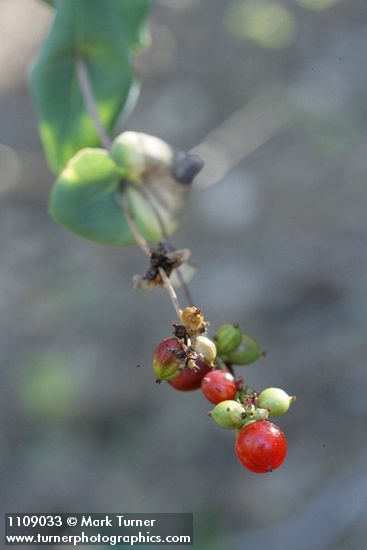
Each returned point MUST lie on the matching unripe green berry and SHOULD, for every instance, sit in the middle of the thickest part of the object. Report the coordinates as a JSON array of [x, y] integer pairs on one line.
[[247, 352], [227, 338], [205, 347], [276, 400], [229, 414]]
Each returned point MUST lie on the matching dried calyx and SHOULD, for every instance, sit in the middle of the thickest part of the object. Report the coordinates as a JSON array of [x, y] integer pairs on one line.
[[193, 320], [160, 257]]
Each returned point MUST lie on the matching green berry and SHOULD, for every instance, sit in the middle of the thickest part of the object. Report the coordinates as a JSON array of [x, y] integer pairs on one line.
[[247, 352], [227, 338], [276, 400], [229, 414]]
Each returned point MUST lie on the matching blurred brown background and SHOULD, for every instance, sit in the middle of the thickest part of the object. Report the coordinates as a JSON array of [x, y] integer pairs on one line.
[[280, 242]]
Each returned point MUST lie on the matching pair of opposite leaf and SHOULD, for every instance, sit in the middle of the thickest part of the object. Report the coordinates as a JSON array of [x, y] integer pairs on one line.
[[154, 179]]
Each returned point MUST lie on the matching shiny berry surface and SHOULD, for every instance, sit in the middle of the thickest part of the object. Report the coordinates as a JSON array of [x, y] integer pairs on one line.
[[190, 379], [218, 386], [261, 447]]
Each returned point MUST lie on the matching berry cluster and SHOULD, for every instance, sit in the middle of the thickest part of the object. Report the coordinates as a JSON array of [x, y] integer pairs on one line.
[[189, 360]]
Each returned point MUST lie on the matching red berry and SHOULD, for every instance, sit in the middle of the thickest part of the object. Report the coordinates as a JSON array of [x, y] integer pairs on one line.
[[261, 447], [190, 379], [166, 358], [218, 386]]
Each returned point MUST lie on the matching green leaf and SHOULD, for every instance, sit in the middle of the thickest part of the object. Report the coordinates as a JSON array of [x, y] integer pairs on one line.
[[156, 182], [133, 14], [150, 165], [83, 199], [103, 33]]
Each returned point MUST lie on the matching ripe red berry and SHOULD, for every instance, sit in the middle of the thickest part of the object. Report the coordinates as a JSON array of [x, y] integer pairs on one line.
[[261, 447], [190, 379], [218, 386], [166, 358]]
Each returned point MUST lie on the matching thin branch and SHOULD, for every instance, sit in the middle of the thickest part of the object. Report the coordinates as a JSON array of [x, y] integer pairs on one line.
[[90, 103], [169, 244], [142, 243], [171, 291], [184, 285], [87, 92]]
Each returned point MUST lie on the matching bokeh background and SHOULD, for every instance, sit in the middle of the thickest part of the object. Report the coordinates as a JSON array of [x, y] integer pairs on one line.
[[280, 243]]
